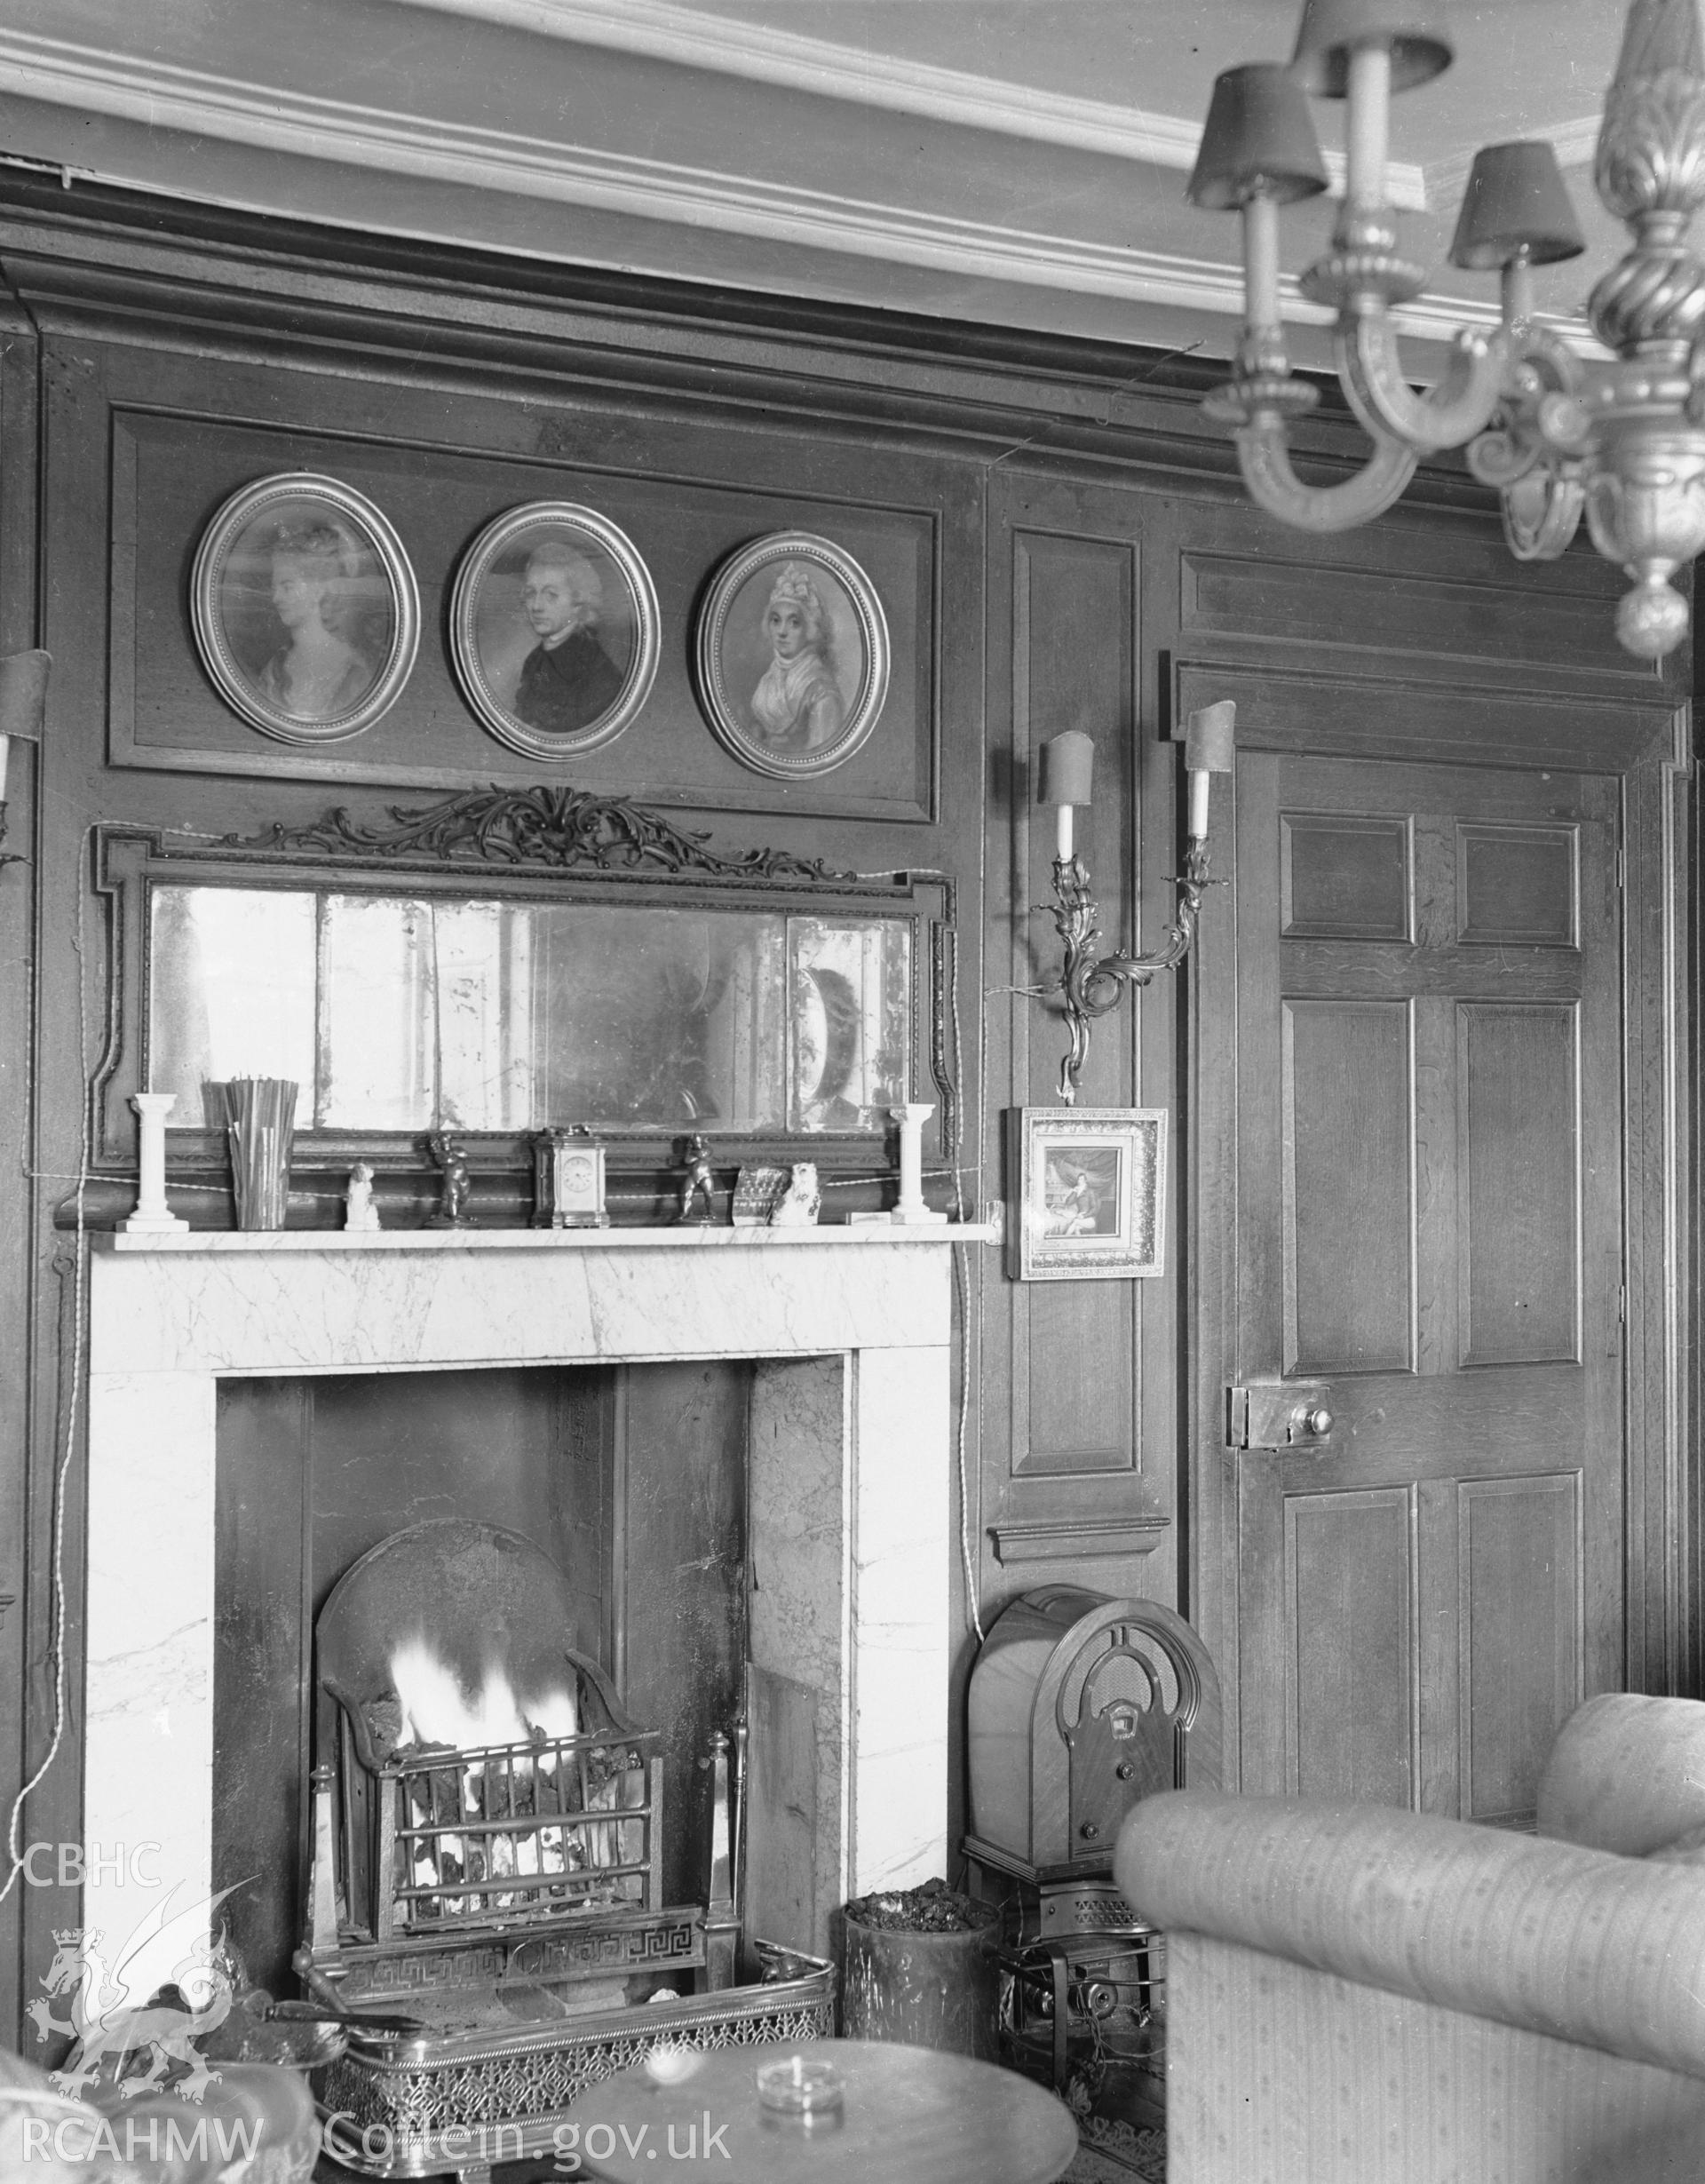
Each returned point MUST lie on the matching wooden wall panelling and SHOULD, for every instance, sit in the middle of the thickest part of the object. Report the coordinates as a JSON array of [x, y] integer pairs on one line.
[[1079, 1488], [1659, 880], [1413, 596], [184, 439], [25, 1696], [288, 332], [107, 371]]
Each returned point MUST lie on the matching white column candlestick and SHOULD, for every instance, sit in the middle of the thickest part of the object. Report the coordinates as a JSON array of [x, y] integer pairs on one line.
[[152, 1216], [911, 1212]]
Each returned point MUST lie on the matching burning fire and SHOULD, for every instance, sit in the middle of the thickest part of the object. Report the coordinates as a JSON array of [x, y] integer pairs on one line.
[[436, 1711], [496, 1814]]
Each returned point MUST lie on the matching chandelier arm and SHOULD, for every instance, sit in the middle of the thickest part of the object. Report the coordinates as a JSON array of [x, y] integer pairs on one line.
[[1459, 405], [1263, 456]]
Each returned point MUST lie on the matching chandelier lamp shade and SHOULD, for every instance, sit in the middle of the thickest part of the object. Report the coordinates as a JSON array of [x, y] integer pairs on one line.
[[1557, 435]]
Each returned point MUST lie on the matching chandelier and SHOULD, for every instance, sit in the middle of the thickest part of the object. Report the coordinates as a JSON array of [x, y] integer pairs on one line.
[[1557, 435]]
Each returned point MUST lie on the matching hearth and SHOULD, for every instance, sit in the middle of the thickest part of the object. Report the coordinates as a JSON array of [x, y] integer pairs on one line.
[[505, 1895], [843, 1343]]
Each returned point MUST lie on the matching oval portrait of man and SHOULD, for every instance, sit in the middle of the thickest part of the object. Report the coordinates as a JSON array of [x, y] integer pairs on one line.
[[304, 607], [554, 629]]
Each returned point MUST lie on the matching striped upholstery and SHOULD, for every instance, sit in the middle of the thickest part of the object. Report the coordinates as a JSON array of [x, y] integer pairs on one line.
[[1626, 1773], [1357, 1995]]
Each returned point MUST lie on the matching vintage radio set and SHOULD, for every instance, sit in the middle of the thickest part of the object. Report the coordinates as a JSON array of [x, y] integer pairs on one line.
[[1080, 1707]]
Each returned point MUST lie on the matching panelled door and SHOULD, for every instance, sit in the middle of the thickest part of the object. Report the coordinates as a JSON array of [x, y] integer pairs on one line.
[[1428, 1128]]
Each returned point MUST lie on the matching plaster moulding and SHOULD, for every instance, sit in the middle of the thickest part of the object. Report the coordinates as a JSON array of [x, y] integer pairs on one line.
[[278, 123]]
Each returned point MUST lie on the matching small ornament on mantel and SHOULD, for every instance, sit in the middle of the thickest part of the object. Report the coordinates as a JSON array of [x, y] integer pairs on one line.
[[699, 1182], [912, 1212], [757, 1193], [152, 1216], [360, 1215], [803, 1200], [567, 1181], [457, 1184]]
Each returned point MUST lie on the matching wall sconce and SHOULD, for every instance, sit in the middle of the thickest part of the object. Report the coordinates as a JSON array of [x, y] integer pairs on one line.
[[23, 699], [1090, 983]]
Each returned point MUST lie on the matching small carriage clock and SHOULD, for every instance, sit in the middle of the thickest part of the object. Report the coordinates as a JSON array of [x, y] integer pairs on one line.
[[568, 1181]]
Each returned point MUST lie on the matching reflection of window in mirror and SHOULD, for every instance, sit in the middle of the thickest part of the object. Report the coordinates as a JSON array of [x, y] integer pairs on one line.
[[399, 1013]]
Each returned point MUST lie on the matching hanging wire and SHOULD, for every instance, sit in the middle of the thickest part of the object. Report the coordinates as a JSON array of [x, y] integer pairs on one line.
[[79, 1270]]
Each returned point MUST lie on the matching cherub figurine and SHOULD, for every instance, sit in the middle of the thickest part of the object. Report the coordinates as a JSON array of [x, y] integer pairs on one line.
[[360, 1215], [698, 1181], [453, 1161]]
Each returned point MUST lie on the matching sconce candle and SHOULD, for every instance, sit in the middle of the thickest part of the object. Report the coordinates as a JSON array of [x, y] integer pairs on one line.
[[1065, 769], [1090, 983], [1208, 748]]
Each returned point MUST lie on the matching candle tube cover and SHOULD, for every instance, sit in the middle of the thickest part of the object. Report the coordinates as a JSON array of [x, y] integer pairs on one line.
[[1209, 738], [1065, 768]]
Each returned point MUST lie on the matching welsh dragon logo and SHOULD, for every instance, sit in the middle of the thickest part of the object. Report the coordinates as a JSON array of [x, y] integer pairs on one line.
[[123, 2036]]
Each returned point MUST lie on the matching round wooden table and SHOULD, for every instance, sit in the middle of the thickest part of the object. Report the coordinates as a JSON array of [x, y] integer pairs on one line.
[[910, 2115]]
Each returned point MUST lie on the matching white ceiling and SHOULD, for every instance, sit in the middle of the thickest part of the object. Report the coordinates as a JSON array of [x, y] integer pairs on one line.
[[1020, 163]]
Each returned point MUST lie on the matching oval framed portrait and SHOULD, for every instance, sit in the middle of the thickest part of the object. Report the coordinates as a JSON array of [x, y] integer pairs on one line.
[[554, 629], [304, 607], [791, 655]]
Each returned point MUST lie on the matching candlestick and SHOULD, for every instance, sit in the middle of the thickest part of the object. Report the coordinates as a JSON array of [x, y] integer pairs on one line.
[[911, 1212], [152, 1216]]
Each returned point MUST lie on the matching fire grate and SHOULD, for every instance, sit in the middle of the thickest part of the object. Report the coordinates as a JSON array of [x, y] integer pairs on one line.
[[505, 1897], [519, 1832]]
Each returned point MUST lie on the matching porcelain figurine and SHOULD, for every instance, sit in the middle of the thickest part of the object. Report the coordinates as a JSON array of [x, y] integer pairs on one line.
[[804, 1198], [360, 1215]]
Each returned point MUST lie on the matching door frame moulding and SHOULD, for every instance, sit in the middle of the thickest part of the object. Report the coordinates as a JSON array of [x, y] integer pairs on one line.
[[1646, 742]]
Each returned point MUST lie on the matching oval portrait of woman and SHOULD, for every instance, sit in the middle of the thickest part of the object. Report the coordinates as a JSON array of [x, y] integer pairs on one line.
[[792, 655], [305, 608], [553, 629]]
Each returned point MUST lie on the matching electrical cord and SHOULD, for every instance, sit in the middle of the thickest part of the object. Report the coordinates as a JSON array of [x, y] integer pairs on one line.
[[15, 1853]]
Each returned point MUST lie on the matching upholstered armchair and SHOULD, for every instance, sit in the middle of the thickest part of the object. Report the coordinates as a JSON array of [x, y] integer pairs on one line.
[[1361, 1996]]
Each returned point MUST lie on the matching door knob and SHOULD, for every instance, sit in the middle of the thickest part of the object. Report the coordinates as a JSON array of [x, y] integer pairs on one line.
[[1317, 1422]]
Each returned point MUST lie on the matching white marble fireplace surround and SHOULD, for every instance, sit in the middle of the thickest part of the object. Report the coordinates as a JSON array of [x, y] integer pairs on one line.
[[850, 1493]]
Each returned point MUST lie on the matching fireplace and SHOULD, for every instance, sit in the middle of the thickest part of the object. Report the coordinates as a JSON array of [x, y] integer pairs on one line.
[[843, 1343]]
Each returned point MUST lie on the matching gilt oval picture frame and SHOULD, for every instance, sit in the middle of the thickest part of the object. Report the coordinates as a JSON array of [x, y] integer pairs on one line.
[[554, 629], [304, 607], [791, 655]]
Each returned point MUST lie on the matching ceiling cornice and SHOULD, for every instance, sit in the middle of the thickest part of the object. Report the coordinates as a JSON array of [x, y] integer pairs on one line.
[[763, 54], [163, 97]]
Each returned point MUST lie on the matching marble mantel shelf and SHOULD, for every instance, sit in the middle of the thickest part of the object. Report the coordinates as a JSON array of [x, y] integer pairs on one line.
[[863, 1233]]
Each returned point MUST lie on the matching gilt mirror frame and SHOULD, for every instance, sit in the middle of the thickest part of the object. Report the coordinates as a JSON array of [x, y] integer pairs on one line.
[[546, 847]]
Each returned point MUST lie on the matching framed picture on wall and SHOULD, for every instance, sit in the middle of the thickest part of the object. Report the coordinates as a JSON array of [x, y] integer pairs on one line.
[[791, 655], [1088, 1193], [554, 629], [306, 611]]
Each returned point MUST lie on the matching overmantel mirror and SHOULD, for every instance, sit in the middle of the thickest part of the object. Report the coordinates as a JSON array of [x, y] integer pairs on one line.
[[501, 963]]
